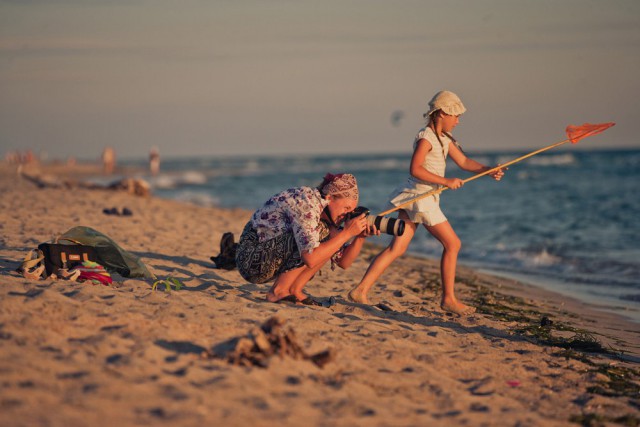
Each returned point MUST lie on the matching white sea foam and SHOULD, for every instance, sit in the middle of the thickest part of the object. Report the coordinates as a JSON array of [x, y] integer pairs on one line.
[[170, 181], [193, 177], [555, 160], [542, 258], [163, 182]]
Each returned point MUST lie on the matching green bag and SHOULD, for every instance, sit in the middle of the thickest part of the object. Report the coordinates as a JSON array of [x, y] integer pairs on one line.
[[111, 256]]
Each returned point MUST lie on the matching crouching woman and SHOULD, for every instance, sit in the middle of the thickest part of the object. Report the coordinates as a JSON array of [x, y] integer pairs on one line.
[[296, 232]]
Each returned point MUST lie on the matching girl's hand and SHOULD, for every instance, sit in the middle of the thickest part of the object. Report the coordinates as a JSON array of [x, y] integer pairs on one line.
[[454, 183], [497, 175], [356, 226]]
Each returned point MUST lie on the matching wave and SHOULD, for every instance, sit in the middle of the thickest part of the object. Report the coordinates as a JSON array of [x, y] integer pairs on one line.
[[167, 181], [542, 258], [553, 160], [298, 165]]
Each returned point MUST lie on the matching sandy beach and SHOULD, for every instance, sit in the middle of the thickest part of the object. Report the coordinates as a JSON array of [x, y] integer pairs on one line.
[[77, 354]]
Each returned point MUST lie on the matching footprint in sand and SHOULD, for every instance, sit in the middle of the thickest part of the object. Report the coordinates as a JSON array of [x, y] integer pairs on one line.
[[481, 387]]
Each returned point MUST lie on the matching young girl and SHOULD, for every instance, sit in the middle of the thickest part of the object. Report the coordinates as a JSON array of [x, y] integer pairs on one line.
[[431, 147]]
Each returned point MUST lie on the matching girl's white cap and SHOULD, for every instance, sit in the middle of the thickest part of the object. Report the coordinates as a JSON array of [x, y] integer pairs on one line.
[[447, 102]]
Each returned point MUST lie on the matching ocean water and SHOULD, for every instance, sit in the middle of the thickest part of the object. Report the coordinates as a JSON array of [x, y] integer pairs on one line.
[[565, 220]]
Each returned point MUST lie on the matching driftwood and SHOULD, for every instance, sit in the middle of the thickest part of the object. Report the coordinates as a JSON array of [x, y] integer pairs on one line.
[[270, 339]]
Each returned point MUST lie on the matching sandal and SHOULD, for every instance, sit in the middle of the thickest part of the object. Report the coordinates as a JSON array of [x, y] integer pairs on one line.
[[32, 266], [71, 275]]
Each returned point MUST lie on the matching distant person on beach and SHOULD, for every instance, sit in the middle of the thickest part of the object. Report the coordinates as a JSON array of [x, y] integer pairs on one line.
[[108, 160], [431, 146], [154, 161], [296, 232]]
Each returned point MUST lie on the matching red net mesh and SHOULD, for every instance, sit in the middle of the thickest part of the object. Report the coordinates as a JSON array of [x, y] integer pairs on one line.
[[576, 133]]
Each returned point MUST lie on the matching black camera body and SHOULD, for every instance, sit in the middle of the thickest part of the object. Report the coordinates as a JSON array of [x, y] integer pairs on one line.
[[392, 226]]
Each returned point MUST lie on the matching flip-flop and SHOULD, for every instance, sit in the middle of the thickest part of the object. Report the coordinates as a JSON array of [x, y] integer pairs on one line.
[[310, 301], [330, 302], [112, 211]]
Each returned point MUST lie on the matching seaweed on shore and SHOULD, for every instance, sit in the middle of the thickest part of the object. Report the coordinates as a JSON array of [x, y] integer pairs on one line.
[[594, 420], [532, 323], [501, 306], [581, 341], [623, 382]]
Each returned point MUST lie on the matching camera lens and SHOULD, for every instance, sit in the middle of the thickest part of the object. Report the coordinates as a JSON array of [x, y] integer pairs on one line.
[[392, 226]]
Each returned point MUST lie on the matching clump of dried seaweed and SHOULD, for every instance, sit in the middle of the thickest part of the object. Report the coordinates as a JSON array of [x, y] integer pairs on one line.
[[270, 339]]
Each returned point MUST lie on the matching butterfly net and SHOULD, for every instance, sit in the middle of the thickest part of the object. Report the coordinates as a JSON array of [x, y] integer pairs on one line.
[[576, 133]]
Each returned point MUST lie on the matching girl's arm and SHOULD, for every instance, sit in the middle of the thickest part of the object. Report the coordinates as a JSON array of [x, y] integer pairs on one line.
[[423, 147], [470, 165]]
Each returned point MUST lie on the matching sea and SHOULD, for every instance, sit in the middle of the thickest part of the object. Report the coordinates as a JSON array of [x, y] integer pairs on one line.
[[568, 221]]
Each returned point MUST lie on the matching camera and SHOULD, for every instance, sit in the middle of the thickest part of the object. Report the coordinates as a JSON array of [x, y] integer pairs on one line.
[[392, 226]]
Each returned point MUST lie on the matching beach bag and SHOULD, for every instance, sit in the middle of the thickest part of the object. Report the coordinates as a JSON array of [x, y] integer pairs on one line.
[[228, 248], [65, 256], [86, 242]]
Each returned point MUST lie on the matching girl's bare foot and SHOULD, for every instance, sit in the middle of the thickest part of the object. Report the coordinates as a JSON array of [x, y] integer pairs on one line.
[[357, 295], [458, 308]]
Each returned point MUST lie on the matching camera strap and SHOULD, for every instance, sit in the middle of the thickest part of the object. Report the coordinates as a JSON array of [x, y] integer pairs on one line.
[[330, 220]]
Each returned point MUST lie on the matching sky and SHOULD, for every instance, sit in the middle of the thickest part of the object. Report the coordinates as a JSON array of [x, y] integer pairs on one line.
[[256, 77]]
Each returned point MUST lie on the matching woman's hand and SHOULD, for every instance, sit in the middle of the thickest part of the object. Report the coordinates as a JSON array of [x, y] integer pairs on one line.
[[356, 226], [453, 183], [370, 230]]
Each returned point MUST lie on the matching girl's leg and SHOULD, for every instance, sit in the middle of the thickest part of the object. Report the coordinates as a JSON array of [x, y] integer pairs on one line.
[[380, 263], [451, 247]]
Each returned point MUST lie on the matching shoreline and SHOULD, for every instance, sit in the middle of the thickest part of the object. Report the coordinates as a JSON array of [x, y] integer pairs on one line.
[[77, 354], [91, 172], [627, 313]]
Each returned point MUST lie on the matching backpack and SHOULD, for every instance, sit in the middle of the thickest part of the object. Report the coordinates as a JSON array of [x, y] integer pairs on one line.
[[226, 260], [65, 255]]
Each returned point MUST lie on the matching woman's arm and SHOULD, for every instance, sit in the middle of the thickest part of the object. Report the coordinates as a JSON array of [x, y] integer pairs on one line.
[[352, 250], [350, 253], [325, 250]]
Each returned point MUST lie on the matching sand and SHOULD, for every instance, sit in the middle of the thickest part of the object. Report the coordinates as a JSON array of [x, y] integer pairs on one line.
[[75, 354]]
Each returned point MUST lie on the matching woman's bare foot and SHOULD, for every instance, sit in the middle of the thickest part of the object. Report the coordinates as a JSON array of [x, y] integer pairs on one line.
[[357, 295], [271, 297], [457, 307]]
